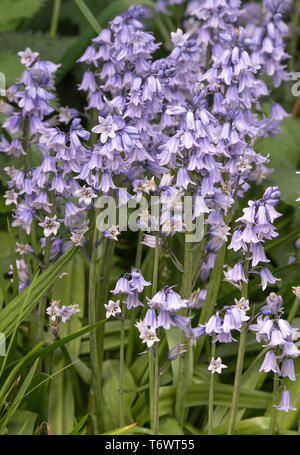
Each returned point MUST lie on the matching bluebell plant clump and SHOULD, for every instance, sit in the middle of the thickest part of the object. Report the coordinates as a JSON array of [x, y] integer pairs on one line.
[[182, 125]]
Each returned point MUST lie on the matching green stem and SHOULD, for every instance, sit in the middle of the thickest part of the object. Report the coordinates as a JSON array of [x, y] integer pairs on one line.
[[121, 382], [294, 37], [156, 392], [185, 374], [187, 271], [153, 356], [208, 56], [211, 393], [151, 388], [274, 400], [198, 271], [33, 237], [55, 18], [240, 362], [155, 267], [139, 250], [212, 294], [104, 274], [43, 302], [165, 33], [86, 12], [92, 314], [134, 311], [293, 310]]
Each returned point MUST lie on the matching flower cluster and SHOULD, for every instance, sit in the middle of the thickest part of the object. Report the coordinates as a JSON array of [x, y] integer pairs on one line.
[[44, 193], [256, 227], [60, 313], [130, 286], [223, 322], [272, 329], [162, 312]]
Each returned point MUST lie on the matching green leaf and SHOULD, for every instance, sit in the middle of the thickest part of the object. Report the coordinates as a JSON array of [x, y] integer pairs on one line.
[[38, 400], [22, 423], [61, 407], [12, 10], [9, 314], [88, 15], [19, 397], [252, 426], [129, 429], [5, 249], [73, 380], [10, 66], [49, 48], [169, 426], [111, 339], [111, 372], [79, 427], [173, 335], [70, 289], [197, 395], [252, 399], [36, 353]]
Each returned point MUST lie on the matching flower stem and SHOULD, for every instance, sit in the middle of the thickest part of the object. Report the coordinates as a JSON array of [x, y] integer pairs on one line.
[[293, 310], [121, 381], [294, 36], [43, 302], [240, 362], [55, 18], [184, 375], [151, 388], [153, 356], [94, 353], [212, 294], [155, 267], [156, 392], [274, 400], [134, 311], [104, 275], [211, 393], [139, 250]]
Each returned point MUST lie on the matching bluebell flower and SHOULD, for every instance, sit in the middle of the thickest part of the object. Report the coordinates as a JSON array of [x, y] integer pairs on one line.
[[122, 286], [274, 304], [288, 369], [285, 402], [235, 274]]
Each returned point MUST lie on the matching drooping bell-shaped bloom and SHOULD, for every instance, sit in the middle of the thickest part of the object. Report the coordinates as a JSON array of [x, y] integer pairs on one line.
[[285, 402]]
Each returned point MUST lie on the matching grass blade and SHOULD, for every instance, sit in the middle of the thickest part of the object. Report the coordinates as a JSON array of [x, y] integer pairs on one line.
[[88, 15]]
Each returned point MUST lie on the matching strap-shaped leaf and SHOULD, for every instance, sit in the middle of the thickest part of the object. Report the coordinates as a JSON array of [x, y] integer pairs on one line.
[[9, 314]]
